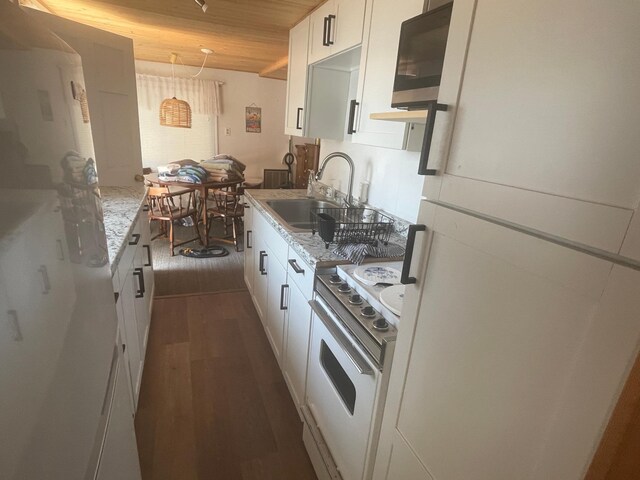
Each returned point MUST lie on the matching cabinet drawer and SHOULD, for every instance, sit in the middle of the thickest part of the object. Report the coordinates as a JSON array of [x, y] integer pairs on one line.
[[131, 243], [303, 279], [273, 239]]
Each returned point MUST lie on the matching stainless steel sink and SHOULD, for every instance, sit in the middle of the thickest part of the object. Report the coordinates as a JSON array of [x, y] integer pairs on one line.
[[295, 214]]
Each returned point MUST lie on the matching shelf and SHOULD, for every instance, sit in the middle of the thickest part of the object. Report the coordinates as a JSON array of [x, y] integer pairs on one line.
[[411, 116]]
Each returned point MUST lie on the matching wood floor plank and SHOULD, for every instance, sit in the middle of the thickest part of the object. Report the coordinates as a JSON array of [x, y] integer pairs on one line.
[[213, 403]]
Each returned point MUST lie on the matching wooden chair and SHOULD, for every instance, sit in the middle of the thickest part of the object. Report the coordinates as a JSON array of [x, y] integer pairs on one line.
[[167, 206], [229, 208]]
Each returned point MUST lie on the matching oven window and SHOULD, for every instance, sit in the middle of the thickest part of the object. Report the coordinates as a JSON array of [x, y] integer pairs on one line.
[[338, 376]]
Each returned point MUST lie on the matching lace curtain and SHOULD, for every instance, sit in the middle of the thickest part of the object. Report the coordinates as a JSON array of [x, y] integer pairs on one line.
[[203, 95]]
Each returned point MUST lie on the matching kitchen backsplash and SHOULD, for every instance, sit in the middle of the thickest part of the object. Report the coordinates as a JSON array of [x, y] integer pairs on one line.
[[394, 184]]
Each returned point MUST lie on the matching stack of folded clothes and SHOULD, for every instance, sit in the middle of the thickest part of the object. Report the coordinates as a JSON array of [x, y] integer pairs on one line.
[[78, 169], [186, 171], [224, 168]]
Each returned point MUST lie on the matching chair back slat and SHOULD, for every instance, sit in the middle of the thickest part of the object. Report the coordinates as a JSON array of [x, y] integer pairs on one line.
[[163, 203]]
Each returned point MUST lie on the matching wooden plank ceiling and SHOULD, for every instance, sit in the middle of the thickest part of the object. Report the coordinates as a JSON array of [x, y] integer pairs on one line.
[[245, 35]]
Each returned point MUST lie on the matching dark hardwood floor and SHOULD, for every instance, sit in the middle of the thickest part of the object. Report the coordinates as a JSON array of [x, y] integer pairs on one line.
[[213, 403]]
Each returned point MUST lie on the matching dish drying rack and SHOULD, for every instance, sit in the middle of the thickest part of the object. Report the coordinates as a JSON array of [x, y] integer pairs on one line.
[[341, 225]]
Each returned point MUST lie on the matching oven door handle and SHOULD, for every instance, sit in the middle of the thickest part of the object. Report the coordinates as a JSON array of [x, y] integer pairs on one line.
[[350, 351]]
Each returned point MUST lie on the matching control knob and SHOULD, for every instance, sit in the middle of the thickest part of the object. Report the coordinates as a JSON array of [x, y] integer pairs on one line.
[[368, 311], [381, 324]]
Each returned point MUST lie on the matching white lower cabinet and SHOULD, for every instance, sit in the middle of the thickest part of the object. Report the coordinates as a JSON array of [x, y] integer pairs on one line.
[[133, 282], [298, 324], [276, 279], [260, 280], [129, 326], [119, 457], [282, 286], [249, 264]]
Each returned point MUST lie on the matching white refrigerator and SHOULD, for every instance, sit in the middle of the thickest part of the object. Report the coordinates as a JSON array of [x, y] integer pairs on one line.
[[523, 318], [60, 366]]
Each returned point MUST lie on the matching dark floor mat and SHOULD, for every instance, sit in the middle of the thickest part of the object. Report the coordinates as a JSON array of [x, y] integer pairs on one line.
[[206, 252]]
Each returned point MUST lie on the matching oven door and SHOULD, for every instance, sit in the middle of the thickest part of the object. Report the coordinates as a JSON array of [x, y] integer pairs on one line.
[[341, 391]]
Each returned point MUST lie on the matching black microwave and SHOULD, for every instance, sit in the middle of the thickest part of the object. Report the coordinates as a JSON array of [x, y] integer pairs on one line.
[[423, 40]]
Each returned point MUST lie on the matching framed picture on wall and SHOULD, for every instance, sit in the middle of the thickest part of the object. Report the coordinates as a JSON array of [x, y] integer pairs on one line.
[[253, 119]]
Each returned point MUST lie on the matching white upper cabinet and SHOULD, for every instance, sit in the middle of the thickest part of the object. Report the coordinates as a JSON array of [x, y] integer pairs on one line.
[[335, 27], [548, 102], [297, 78], [377, 71]]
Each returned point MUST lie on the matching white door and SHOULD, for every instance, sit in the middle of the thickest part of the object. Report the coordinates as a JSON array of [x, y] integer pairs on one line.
[[377, 72], [530, 129], [109, 72], [131, 332], [297, 78], [298, 323], [511, 334], [260, 276], [147, 257], [318, 25], [249, 264], [346, 28], [276, 304], [119, 458]]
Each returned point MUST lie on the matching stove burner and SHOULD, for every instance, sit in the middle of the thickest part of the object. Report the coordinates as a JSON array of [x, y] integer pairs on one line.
[[344, 288], [335, 279], [381, 325], [368, 312], [355, 299]]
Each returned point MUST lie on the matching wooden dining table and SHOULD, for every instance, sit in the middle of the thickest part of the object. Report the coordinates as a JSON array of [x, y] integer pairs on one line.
[[202, 189]]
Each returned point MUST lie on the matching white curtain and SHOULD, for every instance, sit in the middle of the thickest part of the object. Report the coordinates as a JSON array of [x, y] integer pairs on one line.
[[202, 95]]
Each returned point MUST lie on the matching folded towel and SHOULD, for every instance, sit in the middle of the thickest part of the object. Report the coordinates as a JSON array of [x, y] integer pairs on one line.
[[189, 174], [225, 159]]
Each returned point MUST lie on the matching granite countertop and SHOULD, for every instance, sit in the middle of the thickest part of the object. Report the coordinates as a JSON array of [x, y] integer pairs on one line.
[[310, 247], [120, 207]]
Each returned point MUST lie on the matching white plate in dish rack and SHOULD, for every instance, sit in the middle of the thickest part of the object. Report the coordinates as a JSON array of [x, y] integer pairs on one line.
[[374, 274], [392, 298]]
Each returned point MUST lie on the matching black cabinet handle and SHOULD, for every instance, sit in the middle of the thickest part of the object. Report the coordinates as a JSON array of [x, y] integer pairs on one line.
[[46, 283], [138, 272], [136, 239], [261, 264], [60, 250], [408, 254], [298, 126], [149, 263], [352, 117], [282, 305], [295, 266], [325, 32], [249, 235], [432, 107], [329, 25]]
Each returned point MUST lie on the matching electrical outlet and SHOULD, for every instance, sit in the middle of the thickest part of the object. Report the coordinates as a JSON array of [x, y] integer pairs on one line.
[[227, 131]]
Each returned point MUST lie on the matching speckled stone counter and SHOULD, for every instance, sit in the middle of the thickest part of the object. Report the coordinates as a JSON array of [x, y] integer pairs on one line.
[[310, 247], [120, 206]]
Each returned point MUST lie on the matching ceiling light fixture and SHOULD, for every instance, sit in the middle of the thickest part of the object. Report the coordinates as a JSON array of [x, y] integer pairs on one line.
[[202, 4], [174, 112]]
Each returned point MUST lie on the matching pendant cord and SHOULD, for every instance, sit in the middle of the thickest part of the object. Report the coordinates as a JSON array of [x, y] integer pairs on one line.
[[206, 55]]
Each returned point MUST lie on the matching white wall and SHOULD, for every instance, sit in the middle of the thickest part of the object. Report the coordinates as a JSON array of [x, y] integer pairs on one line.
[[240, 90], [395, 185]]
